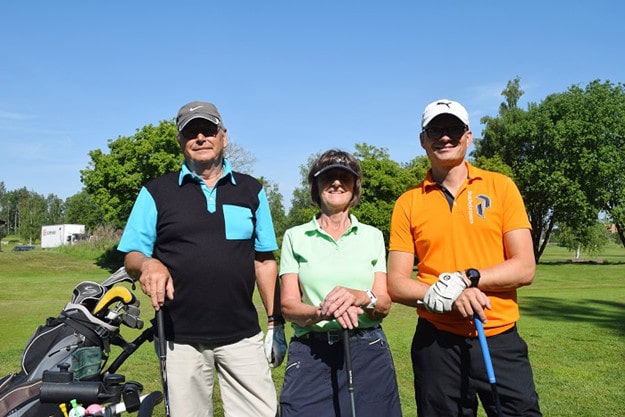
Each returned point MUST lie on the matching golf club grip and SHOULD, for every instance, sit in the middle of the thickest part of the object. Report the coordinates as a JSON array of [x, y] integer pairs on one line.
[[160, 332], [348, 361], [162, 348], [490, 372]]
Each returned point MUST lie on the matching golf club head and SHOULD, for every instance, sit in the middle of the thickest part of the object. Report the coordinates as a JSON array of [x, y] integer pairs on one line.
[[116, 294], [131, 317], [118, 276], [134, 322], [133, 308], [117, 318], [87, 293]]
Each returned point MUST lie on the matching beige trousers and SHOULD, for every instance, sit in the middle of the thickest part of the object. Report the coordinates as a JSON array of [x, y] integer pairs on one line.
[[244, 379]]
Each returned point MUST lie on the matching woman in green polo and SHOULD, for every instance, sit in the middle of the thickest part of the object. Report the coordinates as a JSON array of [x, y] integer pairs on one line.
[[333, 277]]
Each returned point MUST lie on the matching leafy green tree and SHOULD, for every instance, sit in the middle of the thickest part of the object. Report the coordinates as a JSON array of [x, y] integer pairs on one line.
[[302, 209], [591, 239], [31, 211], [501, 132], [603, 121], [553, 150], [617, 214], [26, 211], [113, 180], [495, 164], [591, 121], [81, 209], [55, 210], [418, 167], [384, 180], [278, 215], [3, 213]]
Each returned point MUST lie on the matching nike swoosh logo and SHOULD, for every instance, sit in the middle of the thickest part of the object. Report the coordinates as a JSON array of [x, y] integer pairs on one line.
[[195, 108]]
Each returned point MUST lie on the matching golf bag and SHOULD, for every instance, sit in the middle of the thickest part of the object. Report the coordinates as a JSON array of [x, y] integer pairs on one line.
[[66, 357]]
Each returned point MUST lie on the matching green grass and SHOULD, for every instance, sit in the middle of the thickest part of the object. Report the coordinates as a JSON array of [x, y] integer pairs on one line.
[[571, 317]]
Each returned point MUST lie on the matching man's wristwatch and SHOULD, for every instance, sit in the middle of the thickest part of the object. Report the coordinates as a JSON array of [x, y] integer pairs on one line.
[[373, 301], [474, 276]]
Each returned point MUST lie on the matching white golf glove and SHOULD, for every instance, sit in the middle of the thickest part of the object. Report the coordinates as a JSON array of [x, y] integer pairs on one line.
[[441, 296], [275, 345]]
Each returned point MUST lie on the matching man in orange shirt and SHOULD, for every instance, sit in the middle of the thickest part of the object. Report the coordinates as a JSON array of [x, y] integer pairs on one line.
[[461, 218]]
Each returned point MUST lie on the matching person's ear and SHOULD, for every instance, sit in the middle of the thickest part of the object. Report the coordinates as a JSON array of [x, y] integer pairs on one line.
[[225, 138], [422, 139]]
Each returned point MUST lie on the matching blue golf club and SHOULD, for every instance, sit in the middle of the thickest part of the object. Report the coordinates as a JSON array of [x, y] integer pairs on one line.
[[490, 372]]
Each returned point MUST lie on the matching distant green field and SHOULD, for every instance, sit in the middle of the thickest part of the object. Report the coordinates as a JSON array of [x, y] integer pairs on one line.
[[572, 318]]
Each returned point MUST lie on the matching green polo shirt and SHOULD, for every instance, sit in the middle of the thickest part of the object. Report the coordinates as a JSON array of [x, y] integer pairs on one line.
[[323, 263]]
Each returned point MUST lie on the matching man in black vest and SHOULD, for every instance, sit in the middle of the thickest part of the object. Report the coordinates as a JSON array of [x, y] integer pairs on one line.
[[198, 240]]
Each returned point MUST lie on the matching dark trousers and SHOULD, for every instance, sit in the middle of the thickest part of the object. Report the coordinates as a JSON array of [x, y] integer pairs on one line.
[[449, 374], [315, 383]]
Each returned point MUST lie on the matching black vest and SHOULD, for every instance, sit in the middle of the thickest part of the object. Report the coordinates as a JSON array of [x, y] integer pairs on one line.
[[213, 276]]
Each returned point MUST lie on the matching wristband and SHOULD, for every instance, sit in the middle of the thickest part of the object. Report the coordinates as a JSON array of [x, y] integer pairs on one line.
[[275, 319]]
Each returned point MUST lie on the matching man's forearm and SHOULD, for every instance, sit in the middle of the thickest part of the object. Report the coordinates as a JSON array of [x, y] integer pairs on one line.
[[267, 282], [133, 262]]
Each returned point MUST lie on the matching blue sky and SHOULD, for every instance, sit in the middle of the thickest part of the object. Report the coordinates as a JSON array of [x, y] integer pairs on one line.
[[290, 78]]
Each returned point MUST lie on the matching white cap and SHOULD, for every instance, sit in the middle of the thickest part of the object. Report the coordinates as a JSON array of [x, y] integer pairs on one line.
[[444, 106]]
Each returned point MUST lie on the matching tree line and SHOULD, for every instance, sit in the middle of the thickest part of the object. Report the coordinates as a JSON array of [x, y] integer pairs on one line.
[[565, 154]]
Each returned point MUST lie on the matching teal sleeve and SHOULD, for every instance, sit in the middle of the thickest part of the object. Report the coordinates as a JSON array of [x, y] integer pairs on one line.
[[140, 231], [265, 234]]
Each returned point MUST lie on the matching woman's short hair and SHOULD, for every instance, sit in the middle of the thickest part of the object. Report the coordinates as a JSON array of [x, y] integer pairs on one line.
[[334, 158]]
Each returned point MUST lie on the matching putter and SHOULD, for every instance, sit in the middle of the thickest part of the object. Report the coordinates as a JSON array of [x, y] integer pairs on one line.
[[350, 370], [162, 354], [490, 372]]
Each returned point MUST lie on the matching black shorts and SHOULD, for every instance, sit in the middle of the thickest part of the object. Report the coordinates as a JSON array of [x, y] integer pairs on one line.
[[450, 375]]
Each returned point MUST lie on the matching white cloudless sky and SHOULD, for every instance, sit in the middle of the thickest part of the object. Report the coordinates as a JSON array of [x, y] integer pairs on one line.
[[290, 78]]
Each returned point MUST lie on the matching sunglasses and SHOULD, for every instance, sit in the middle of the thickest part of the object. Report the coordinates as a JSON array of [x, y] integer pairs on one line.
[[454, 132], [336, 174], [207, 130]]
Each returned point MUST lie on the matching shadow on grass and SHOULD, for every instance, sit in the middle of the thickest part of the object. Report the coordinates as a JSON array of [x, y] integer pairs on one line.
[[585, 262], [111, 259], [607, 314]]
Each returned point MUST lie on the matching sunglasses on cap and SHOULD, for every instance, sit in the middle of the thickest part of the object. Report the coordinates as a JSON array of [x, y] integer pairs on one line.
[[454, 132]]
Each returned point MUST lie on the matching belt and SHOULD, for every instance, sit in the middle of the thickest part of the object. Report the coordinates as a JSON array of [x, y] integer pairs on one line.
[[333, 336]]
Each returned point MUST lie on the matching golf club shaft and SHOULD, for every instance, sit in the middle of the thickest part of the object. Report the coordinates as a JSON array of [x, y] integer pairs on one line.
[[350, 370], [490, 372], [162, 353]]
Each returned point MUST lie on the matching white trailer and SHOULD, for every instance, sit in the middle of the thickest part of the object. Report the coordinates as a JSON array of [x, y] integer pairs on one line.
[[60, 234]]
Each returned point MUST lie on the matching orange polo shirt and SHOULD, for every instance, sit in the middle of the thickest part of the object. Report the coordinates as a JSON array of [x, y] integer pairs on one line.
[[470, 235]]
